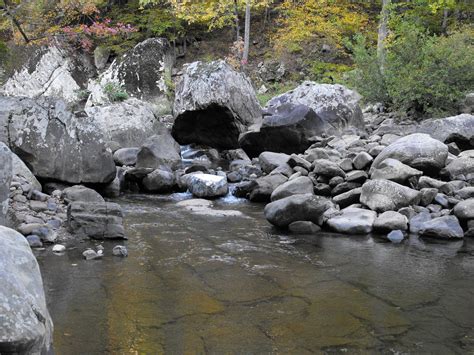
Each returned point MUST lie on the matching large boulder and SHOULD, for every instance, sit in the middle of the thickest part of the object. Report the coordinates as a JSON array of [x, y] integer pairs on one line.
[[458, 129], [306, 207], [158, 151], [208, 186], [159, 181], [386, 195], [270, 160], [96, 220], [5, 179], [311, 109], [26, 326], [81, 193], [459, 168], [464, 210], [299, 185], [213, 105], [53, 142], [50, 71], [142, 72], [127, 123], [353, 220], [445, 227], [392, 169], [20, 169], [262, 188], [418, 151]]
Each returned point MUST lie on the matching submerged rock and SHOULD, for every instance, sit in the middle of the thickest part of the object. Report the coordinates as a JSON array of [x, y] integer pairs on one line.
[[26, 326], [303, 227], [213, 105]]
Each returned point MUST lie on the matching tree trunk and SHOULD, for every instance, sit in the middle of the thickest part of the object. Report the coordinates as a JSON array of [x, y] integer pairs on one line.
[[383, 33], [444, 25], [16, 23], [245, 56], [237, 21]]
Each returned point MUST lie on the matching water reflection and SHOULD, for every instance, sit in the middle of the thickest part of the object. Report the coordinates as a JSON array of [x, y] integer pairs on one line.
[[213, 284]]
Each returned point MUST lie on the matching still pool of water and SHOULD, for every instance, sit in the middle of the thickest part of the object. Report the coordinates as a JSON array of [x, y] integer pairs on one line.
[[200, 283]]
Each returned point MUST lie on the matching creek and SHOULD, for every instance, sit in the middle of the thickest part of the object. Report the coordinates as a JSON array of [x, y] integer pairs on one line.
[[207, 283]]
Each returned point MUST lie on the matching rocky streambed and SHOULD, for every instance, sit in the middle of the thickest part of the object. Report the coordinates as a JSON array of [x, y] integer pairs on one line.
[[227, 207], [217, 278]]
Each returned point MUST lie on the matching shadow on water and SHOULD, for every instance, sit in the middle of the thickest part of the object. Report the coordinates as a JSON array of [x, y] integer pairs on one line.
[[203, 283]]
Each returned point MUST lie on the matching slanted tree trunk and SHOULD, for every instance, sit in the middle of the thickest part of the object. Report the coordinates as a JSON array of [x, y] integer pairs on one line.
[[7, 10], [382, 34], [245, 56]]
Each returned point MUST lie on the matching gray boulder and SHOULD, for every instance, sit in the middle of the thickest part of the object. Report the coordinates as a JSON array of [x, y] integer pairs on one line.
[[270, 160], [263, 187], [299, 185], [353, 221], [459, 168], [54, 143], [126, 156], [394, 170], [5, 179], [348, 198], [127, 123], [96, 220], [141, 72], [327, 168], [20, 169], [391, 220], [213, 105], [446, 227], [208, 186], [307, 207], [81, 193], [362, 160], [159, 150], [386, 195], [26, 326], [50, 71], [292, 118], [159, 181], [464, 210], [419, 151]]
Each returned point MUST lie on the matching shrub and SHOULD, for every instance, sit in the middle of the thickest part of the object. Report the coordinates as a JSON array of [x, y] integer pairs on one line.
[[115, 92], [424, 74]]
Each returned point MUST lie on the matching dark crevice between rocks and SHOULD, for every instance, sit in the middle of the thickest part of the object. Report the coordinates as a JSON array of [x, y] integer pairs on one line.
[[213, 126]]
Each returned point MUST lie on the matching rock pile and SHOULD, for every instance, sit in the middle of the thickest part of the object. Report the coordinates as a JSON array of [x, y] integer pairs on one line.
[[379, 183]]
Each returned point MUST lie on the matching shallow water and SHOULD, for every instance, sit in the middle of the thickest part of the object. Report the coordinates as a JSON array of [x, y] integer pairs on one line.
[[197, 283]]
